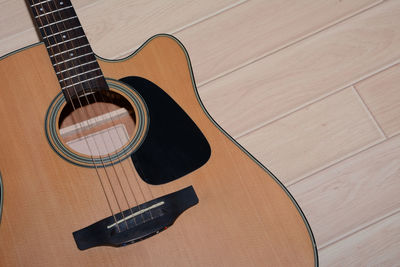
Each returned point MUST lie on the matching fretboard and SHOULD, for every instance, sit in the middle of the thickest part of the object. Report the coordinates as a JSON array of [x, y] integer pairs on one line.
[[72, 57]]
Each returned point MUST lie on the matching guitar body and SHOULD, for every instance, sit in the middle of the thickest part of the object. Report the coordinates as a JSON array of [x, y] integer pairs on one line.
[[244, 216]]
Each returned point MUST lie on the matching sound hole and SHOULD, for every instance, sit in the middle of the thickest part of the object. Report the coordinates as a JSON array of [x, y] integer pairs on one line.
[[98, 124]]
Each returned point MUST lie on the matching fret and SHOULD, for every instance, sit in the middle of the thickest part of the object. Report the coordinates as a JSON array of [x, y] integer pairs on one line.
[[40, 3], [87, 80], [57, 10], [55, 29], [63, 38], [66, 46], [62, 62], [74, 67], [57, 54], [64, 31], [72, 58], [51, 13], [90, 85], [71, 54], [76, 75], [56, 44], [75, 62], [59, 21], [82, 76]]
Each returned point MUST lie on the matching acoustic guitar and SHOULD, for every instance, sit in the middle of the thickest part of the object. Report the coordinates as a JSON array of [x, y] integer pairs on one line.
[[117, 163]]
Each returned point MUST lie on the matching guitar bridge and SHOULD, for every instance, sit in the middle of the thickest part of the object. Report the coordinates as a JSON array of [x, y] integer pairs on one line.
[[137, 223]]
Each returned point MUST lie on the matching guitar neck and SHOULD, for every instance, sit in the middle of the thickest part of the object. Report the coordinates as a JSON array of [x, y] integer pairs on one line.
[[69, 50]]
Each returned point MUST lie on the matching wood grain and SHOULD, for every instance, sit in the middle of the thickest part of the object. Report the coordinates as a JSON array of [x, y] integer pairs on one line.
[[381, 93], [13, 35], [137, 21], [126, 27], [294, 75], [353, 192], [260, 27], [243, 214], [12, 10], [330, 60], [377, 245], [316, 136]]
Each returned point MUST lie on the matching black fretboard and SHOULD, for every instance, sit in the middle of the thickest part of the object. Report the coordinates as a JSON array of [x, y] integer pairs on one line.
[[72, 57]]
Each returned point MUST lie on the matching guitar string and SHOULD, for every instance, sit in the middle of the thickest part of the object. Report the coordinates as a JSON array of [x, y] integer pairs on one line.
[[129, 184], [115, 148], [41, 24], [112, 139], [126, 135], [130, 163], [97, 172], [74, 108], [81, 106]]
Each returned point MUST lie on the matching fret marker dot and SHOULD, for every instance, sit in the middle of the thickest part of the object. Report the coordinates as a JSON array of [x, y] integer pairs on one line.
[[61, 3], [41, 9], [71, 54], [64, 36]]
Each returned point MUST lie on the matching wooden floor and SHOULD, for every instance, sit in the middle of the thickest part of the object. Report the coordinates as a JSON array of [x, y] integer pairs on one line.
[[310, 88]]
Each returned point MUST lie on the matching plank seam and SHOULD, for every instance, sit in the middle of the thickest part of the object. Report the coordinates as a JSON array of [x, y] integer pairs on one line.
[[358, 229], [383, 69], [335, 162], [315, 100], [394, 134], [211, 15], [366, 108], [222, 10], [134, 47], [32, 28], [292, 43], [346, 157]]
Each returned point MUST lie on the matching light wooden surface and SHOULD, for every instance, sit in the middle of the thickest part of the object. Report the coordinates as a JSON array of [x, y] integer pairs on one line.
[[311, 144], [310, 87], [382, 95]]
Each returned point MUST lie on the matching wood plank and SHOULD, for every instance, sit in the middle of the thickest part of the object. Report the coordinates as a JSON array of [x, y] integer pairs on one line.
[[381, 93], [280, 83], [351, 193], [313, 137], [17, 35], [10, 11], [259, 27], [123, 24], [133, 22], [377, 245]]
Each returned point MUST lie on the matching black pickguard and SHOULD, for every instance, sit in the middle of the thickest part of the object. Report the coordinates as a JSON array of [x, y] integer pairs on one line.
[[174, 145]]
